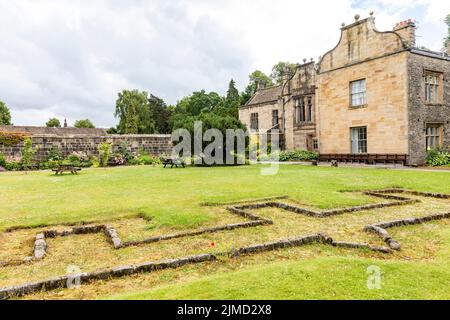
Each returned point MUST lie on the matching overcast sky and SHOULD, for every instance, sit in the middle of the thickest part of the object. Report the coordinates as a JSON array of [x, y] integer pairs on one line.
[[68, 59]]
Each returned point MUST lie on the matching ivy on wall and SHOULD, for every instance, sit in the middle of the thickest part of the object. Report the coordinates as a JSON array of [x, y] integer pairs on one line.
[[12, 138]]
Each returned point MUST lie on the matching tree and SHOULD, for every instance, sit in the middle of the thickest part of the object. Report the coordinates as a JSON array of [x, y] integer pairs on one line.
[[254, 78], [85, 123], [278, 71], [112, 130], [199, 102], [5, 115], [53, 123], [28, 152], [211, 120], [131, 120], [233, 98], [230, 104], [104, 151], [447, 38], [133, 112], [160, 114]]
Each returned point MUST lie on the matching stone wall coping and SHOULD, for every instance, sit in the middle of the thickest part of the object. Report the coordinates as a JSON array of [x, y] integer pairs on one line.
[[109, 136]]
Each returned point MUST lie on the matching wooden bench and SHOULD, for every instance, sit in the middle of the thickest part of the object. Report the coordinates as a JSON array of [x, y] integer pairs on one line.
[[66, 168], [173, 162], [365, 158]]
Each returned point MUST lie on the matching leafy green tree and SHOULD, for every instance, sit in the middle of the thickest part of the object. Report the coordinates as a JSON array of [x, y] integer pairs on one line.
[[53, 123], [210, 120], [160, 114], [112, 130], [202, 101], [199, 102], [133, 112], [85, 123], [447, 38], [104, 151], [131, 120], [28, 152], [254, 78], [5, 115], [279, 69]]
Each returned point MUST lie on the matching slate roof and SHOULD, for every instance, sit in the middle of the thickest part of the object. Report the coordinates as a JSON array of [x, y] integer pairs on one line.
[[55, 131], [432, 54], [265, 95]]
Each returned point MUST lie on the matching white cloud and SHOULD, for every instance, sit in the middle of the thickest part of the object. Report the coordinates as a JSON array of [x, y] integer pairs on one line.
[[70, 58]]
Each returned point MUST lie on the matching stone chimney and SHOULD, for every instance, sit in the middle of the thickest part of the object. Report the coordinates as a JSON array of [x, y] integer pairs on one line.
[[260, 85], [287, 74], [407, 30]]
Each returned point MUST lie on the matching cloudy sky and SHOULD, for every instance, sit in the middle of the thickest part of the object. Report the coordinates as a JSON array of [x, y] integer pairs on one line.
[[68, 59]]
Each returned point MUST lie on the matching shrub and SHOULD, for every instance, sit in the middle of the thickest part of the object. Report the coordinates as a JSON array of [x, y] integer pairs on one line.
[[78, 159], [94, 161], [118, 159], [27, 153], [124, 151], [54, 154], [135, 161], [2, 161], [298, 155], [50, 164], [12, 138], [13, 166], [104, 150], [149, 160], [78, 156], [438, 157]]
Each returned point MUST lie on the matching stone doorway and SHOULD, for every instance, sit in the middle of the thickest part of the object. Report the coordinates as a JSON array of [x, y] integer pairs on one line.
[[310, 142]]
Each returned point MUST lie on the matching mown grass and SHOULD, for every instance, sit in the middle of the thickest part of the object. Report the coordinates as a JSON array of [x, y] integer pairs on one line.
[[172, 197], [171, 200], [321, 278]]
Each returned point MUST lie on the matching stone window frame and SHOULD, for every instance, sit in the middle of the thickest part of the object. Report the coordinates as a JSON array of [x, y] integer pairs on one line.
[[436, 135], [309, 110], [315, 144], [301, 110], [275, 117], [362, 94], [254, 121], [361, 142], [439, 87]]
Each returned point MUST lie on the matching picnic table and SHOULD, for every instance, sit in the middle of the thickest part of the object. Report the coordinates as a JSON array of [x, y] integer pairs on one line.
[[66, 168], [173, 162]]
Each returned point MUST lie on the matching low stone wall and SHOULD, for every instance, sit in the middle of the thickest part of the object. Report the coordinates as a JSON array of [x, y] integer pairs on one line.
[[153, 144]]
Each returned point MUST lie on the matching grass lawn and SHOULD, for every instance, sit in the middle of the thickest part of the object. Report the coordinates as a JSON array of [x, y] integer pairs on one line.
[[170, 201]]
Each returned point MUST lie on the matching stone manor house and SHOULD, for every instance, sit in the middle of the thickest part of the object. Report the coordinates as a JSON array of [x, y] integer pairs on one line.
[[375, 96]]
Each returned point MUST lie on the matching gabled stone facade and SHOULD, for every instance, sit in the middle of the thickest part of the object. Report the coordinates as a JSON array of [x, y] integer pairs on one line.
[[373, 94], [422, 113]]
